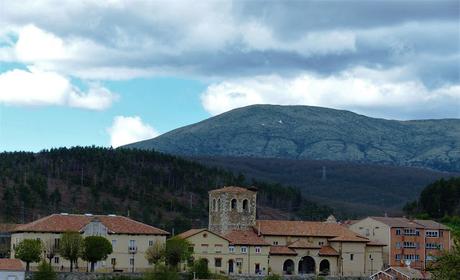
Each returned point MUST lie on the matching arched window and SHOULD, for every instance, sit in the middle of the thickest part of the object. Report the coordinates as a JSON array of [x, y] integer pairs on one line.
[[214, 205], [218, 205], [233, 204], [245, 205], [324, 267]]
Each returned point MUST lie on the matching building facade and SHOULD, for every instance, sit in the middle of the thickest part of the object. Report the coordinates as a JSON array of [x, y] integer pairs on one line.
[[413, 242], [129, 238], [11, 269], [237, 243]]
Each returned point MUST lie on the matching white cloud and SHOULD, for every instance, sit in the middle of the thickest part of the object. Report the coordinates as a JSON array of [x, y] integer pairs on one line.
[[125, 130], [41, 88], [360, 89]]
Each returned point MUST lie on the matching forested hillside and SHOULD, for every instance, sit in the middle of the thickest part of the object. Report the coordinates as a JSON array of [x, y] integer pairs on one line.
[[155, 188]]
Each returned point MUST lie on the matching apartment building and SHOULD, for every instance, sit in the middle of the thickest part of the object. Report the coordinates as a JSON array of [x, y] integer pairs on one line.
[[414, 242], [129, 239]]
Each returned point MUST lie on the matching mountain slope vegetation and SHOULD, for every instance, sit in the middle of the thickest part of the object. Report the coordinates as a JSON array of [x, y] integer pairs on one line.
[[315, 133], [156, 188]]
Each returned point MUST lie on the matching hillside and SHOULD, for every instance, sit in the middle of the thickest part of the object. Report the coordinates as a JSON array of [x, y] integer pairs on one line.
[[155, 188], [352, 189], [315, 133]]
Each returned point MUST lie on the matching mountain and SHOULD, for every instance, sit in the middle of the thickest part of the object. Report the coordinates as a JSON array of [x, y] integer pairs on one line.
[[158, 189], [315, 133]]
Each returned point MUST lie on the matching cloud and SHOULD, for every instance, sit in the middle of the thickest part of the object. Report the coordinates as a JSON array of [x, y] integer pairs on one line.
[[125, 130], [385, 93], [43, 88]]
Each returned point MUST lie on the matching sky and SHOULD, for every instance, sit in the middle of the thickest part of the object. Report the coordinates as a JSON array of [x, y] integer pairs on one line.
[[108, 73]]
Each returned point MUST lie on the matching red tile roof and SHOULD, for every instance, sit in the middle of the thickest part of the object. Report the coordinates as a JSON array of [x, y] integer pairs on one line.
[[193, 231], [11, 265], [73, 222], [375, 243], [8, 227], [245, 237], [231, 189], [328, 251], [349, 238], [305, 228], [397, 222], [282, 250]]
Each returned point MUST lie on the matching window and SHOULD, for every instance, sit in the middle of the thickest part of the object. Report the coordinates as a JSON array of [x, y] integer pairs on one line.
[[56, 259], [351, 257], [398, 257], [432, 233], [131, 261], [214, 208], [204, 248], [409, 245], [398, 245], [231, 249], [113, 261], [114, 243], [218, 204], [245, 205], [233, 204], [411, 232], [191, 249], [321, 243], [217, 262], [275, 242], [244, 249], [411, 257], [433, 246], [218, 248], [398, 231], [132, 245], [367, 232], [257, 250], [57, 243], [150, 242]]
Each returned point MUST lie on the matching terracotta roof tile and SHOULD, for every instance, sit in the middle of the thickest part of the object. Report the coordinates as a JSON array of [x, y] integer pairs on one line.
[[328, 251], [303, 228], [231, 189], [375, 243], [190, 232], [397, 222], [430, 224], [8, 227], [73, 222], [302, 244], [245, 237], [11, 264], [282, 250]]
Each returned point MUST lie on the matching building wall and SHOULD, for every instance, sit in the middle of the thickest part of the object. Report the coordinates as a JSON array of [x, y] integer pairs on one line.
[[375, 231], [120, 251], [12, 275], [374, 259], [223, 219], [209, 246]]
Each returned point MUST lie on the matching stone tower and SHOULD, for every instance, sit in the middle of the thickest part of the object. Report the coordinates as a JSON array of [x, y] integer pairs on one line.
[[232, 208]]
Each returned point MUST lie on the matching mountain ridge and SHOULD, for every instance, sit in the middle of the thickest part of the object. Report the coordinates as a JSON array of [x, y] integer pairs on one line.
[[316, 133]]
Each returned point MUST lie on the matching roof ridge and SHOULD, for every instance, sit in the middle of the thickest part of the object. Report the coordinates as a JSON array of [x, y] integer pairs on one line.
[[143, 224]]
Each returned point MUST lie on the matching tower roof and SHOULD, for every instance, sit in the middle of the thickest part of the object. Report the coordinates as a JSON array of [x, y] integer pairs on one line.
[[232, 189]]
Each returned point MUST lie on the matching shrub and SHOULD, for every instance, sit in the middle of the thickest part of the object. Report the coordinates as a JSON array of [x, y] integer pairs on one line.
[[200, 269], [45, 272], [162, 272]]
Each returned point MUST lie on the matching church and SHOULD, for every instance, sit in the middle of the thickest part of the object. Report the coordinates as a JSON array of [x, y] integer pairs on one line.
[[236, 242]]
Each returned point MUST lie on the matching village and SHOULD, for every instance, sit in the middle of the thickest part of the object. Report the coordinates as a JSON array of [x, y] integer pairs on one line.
[[235, 244]]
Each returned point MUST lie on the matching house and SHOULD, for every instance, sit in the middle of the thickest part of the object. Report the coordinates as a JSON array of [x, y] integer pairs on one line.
[[5, 239], [414, 241], [129, 239], [401, 273], [11, 269], [237, 243]]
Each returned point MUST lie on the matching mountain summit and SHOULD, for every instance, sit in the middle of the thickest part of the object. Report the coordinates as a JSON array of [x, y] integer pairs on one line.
[[305, 132]]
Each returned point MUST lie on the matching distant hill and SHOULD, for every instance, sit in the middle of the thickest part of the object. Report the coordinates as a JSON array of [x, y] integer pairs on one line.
[[315, 133], [352, 189], [155, 188]]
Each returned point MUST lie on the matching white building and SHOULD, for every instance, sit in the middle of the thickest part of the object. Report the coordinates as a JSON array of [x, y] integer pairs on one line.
[[11, 269]]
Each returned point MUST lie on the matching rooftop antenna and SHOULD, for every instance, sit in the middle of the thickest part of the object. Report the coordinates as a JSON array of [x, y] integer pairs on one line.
[[324, 176]]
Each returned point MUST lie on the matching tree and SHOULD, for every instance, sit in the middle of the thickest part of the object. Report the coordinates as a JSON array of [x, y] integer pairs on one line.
[[447, 266], [29, 250], [50, 249], [70, 248], [96, 248], [200, 269], [45, 272], [155, 253], [177, 250]]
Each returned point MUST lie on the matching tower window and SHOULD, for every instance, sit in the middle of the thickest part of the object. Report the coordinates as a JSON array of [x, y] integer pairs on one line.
[[245, 205], [214, 205], [233, 203]]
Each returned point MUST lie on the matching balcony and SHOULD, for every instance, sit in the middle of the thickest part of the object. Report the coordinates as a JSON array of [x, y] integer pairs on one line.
[[132, 249]]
